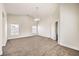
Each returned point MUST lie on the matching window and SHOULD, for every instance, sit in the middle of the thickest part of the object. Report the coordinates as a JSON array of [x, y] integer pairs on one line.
[[34, 29], [14, 29]]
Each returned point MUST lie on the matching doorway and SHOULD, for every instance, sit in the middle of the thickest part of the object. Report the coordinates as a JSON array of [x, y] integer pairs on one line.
[[56, 30]]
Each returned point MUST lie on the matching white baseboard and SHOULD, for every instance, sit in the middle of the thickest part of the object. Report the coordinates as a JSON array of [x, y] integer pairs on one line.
[[4, 44], [68, 46], [44, 36], [53, 38], [20, 36], [47, 36], [1, 52]]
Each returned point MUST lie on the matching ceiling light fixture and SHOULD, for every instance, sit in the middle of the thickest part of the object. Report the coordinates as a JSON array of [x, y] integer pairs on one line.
[[37, 19]]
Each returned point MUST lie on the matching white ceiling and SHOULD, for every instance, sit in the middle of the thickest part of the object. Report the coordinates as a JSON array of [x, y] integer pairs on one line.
[[44, 9]]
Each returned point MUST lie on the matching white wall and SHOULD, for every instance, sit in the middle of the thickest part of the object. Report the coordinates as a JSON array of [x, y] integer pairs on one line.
[[69, 26], [55, 18], [0, 29], [53, 29], [25, 23], [45, 27], [3, 28], [78, 19]]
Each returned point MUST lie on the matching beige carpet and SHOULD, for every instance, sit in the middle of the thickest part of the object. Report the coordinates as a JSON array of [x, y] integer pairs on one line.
[[36, 46]]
